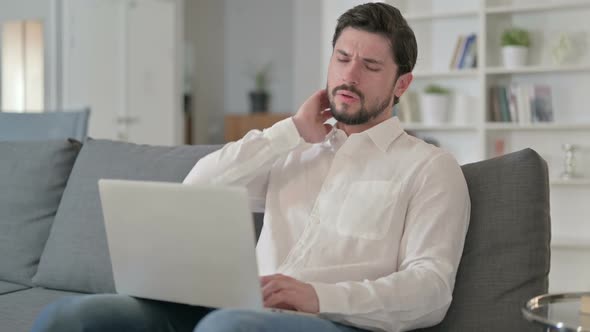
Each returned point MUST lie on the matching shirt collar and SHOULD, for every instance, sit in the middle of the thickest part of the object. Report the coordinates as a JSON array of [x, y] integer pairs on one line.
[[385, 132], [381, 135]]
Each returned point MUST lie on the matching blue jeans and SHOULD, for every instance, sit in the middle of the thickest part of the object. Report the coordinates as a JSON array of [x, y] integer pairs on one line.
[[109, 312]]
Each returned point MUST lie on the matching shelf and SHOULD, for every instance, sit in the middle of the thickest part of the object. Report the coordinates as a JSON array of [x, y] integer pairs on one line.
[[438, 33], [541, 126], [445, 127], [565, 242], [536, 7], [434, 16], [573, 182], [447, 74], [538, 69]]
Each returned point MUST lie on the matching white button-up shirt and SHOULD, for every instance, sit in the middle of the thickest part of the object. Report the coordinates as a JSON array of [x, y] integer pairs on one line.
[[375, 222]]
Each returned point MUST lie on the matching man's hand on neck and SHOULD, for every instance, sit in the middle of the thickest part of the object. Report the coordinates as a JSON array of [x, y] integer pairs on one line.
[[311, 116]]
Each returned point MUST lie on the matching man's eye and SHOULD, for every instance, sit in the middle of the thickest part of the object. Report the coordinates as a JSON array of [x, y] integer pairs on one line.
[[373, 69], [342, 60]]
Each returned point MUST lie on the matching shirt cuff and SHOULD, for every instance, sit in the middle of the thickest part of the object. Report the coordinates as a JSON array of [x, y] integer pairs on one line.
[[283, 135], [332, 298]]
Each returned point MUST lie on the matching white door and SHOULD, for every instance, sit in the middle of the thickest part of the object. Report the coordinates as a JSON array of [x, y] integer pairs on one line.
[[153, 90], [120, 58]]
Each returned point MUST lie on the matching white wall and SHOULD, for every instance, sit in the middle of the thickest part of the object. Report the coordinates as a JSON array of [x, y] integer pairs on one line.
[[308, 74], [205, 30], [258, 31], [38, 10]]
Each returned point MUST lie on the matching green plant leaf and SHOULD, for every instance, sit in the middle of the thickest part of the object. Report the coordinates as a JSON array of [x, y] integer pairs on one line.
[[436, 89], [515, 37]]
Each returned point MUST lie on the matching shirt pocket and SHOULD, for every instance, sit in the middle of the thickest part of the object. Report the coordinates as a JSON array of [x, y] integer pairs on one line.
[[367, 210]]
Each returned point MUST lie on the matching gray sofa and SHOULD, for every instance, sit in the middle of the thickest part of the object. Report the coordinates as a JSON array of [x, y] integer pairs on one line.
[[52, 240]]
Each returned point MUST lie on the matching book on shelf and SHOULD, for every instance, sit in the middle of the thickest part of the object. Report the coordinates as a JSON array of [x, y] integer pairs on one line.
[[465, 52], [542, 104], [504, 107], [520, 103]]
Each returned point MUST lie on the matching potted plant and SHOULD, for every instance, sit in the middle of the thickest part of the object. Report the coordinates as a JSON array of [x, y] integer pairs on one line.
[[259, 97], [434, 104], [515, 45]]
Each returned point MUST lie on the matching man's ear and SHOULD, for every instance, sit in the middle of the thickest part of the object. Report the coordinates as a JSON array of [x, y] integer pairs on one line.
[[402, 84]]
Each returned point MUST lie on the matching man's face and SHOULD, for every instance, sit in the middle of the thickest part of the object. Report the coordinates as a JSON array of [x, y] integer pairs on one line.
[[361, 78]]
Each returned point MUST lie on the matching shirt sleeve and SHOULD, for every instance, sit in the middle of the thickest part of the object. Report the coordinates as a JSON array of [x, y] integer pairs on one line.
[[420, 292], [247, 162]]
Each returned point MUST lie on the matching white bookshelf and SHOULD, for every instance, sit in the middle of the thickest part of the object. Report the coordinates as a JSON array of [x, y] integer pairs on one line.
[[541, 126], [443, 15], [568, 242], [449, 127], [544, 69], [537, 7], [446, 74], [570, 182], [439, 23]]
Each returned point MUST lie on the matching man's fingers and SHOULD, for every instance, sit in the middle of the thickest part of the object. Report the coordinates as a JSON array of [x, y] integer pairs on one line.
[[273, 286], [310, 118], [275, 299], [324, 100], [281, 299], [265, 279], [326, 114], [321, 94], [320, 100]]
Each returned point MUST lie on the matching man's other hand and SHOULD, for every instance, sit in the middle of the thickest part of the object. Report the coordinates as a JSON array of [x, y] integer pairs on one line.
[[283, 292], [311, 116]]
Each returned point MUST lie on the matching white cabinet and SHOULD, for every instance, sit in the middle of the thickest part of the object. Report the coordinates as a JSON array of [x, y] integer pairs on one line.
[[438, 24], [122, 58]]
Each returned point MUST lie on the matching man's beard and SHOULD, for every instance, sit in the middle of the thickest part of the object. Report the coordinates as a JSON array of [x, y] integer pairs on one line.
[[364, 114]]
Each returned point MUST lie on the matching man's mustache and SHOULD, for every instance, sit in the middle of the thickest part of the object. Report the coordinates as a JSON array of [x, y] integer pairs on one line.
[[350, 88]]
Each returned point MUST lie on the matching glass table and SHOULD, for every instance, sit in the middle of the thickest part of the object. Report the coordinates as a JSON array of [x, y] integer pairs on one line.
[[558, 312]]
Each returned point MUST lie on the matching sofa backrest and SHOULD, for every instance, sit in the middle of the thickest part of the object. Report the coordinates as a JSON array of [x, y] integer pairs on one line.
[[33, 176], [44, 126], [507, 255], [505, 261], [76, 256]]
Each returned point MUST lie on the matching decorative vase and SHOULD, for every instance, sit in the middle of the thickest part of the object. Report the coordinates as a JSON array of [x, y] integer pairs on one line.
[[514, 56], [434, 108], [569, 162], [259, 102]]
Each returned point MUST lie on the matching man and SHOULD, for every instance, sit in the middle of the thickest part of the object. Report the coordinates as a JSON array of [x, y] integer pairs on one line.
[[363, 225]]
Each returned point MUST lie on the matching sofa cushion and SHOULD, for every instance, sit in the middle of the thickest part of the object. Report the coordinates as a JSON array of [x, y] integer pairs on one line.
[[33, 176], [19, 309], [9, 287], [506, 257], [76, 257]]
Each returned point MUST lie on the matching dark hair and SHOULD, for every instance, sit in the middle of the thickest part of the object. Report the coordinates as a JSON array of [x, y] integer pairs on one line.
[[385, 20]]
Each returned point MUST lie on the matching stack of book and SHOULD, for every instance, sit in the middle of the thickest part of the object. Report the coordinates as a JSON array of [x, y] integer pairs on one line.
[[465, 54], [520, 103]]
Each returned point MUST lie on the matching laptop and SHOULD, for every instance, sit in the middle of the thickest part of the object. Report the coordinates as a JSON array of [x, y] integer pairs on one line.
[[182, 243]]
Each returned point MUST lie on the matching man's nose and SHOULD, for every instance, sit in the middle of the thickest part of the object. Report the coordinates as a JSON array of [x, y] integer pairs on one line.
[[352, 73]]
